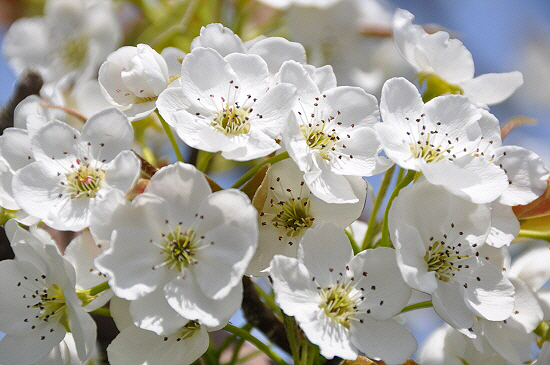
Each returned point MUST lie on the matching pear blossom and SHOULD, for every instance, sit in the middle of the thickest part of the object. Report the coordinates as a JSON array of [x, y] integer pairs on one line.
[[438, 238], [338, 35], [39, 302], [448, 346], [449, 60], [440, 139], [273, 50], [72, 170], [81, 252], [226, 104], [134, 345], [289, 210], [331, 135], [285, 4], [511, 338], [68, 43], [132, 78], [344, 303], [527, 179], [179, 249], [16, 151]]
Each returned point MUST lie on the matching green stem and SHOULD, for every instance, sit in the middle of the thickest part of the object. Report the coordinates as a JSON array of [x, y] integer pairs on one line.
[[420, 305], [250, 356], [102, 312], [171, 137], [243, 179], [352, 241], [259, 344], [292, 330], [236, 350], [269, 301], [539, 235], [369, 236], [385, 241], [96, 289], [225, 344], [203, 159], [88, 295], [400, 175]]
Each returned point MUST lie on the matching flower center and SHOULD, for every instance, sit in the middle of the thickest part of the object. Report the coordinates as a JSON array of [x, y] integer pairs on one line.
[[232, 120], [51, 305], [186, 331], [144, 99], [84, 180], [293, 216], [428, 151], [443, 260], [73, 52], [318, 139], [179, 247], [339, 303]]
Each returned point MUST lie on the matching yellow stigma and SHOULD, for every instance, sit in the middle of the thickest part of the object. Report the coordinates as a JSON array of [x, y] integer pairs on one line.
[[232, 120], [84, 181], [318, 139]]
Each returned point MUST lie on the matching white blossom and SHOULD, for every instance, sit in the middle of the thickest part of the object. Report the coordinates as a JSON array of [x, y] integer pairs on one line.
[[68, 43], [73, 170], [439, 139], [178, 247], [134, 345], [436, 54], [273, 50], [344, 304], [331, 135], [290, 209], [39, 302], [226, 104], [132, 78], [438, 238]]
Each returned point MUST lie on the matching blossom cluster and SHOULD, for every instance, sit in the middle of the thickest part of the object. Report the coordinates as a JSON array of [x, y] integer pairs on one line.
[[169, 254]]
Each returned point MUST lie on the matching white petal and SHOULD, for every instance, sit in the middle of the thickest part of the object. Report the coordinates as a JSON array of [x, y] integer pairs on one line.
[[295, 292], [137, 346], [181, 185], [512, 344], [294, 73], [384, 340], [129, 261], [15, 147], [251, 71], [186, 297], [472, 178], [332, 338], [276, 50], [386, 294], [448, 58], [448, 302], [221, 38], [229, 251], [526, 173], [489, 293], [492, 88], [207, 73], [109, 132], [533, 267], [400, 99], [52, 140], [324, 249], [153, 313], [504, 225], [410, 256]]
